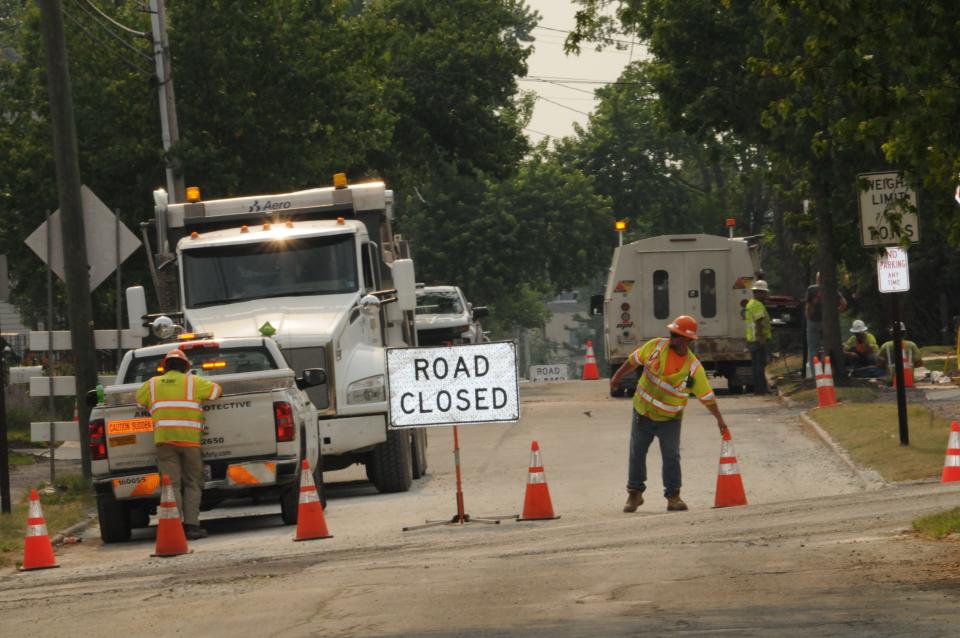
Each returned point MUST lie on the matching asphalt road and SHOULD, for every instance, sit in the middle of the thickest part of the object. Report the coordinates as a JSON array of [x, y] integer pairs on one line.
[[820, 550]]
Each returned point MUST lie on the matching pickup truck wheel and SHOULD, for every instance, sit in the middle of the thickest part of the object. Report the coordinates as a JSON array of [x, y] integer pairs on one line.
[[393, 463], [114, 520], [290, 500], [418, 451]]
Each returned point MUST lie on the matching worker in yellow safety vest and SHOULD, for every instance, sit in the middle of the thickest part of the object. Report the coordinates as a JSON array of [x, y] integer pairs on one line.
[[670, 373], [174, 400]]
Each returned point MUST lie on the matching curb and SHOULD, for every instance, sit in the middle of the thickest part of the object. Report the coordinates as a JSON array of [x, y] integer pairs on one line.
[[870, 481], [60, 537]]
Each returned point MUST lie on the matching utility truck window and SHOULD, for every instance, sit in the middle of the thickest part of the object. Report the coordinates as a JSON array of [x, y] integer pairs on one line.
[[708, 293], [439, 303], [661, 294], [206, 362], [281, 268]]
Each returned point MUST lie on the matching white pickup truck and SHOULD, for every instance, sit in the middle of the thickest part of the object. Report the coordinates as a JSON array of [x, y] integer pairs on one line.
[[254, 438]]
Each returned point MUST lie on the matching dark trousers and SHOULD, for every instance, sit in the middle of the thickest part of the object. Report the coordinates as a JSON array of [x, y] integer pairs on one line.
[[758, 357], [642, 432]]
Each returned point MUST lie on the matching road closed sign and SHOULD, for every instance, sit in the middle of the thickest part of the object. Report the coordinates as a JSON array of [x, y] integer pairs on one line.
[[453, 385]]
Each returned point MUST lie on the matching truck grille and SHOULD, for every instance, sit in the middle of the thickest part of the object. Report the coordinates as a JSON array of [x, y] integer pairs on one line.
[[314, 357]]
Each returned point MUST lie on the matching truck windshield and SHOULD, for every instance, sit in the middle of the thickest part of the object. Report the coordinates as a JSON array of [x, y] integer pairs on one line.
[[439, 303], [302, 266], [205, 362]]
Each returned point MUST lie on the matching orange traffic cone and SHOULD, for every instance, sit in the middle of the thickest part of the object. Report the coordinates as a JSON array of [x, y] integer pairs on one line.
[[171, 541], [37, 548], [729, 484], [907, 369], [951, 465], [536, 502], [826, 395], [310, 521], [590, 370]]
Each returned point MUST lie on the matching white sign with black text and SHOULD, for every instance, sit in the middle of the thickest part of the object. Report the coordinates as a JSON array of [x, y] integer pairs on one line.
[[878, 192], [893, 271], [453, 385], [548, 372]]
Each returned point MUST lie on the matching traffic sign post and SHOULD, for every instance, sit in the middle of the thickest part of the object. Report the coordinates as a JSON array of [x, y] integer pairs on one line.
[[455, 385], [893, 277]]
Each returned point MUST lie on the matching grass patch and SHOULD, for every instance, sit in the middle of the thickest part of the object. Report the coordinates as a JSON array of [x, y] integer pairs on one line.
[[66, 506], [937, 350], [939, 525], [15, 458], [949, 364], [845, 394], [784, 366], [870, 434]]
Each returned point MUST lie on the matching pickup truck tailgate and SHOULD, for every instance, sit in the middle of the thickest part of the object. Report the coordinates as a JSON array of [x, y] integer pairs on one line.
[[238, 425]]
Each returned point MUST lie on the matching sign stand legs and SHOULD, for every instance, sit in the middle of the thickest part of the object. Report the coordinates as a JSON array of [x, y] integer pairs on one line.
[[460, 518]]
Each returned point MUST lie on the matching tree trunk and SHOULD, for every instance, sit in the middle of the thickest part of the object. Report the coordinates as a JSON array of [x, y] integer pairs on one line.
[[826, 258]]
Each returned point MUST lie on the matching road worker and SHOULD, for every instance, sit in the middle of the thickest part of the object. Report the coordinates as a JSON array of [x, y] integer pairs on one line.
[[174, 399], [860, 350], [759, 331], [911, 353], [670, 373]]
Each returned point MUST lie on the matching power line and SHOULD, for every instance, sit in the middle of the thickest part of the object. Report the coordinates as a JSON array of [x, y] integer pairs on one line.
[[116, 37], [563, 106], [97, 41], [139, 34], [568, 31], [530, 130]]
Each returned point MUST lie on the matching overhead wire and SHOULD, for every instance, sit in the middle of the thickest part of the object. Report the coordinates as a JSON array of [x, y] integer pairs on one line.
[[112, 34], [97, 41], [141, 34]]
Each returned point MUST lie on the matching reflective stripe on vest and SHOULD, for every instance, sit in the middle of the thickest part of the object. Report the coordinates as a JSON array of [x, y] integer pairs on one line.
[[656, 396]]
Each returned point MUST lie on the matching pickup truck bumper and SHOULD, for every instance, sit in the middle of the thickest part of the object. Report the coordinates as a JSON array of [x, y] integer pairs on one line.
[[222, 479]]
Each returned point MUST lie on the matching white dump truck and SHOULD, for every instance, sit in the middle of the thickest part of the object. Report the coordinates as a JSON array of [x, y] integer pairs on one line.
[[254, 437], [653, 280], [319, 272]]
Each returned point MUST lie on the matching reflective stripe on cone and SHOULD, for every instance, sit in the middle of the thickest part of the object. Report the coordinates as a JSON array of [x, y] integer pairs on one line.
[[311, 523], [730, 491], [537, 505], [171, 540], [37, 548], [951, 464]]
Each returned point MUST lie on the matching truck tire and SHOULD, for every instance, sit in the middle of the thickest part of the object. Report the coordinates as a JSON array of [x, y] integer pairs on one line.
[[392, 463], [114, 520], [418, 451]]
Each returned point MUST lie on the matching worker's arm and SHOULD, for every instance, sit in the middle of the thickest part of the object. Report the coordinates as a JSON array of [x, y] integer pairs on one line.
[[702, 390], [841, 302], [917, 358], [627, 367]]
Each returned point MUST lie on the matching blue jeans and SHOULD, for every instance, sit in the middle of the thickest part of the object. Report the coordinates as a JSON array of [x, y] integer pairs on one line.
[[758, 359], [642, 432]]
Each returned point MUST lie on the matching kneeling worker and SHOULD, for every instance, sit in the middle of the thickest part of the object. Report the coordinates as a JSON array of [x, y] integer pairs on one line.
[[670, 373], [911, 355], [174, 401]]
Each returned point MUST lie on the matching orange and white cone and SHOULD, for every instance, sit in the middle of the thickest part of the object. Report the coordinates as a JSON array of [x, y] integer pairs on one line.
[[311, 523], [826, 395], [37, 548], [536, 503], [951, 465], [907, 356], [590, 370], [729, 484], [171, 541]]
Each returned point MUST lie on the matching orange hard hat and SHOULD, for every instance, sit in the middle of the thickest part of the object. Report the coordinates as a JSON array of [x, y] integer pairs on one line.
[[685, 326], [176, 353]]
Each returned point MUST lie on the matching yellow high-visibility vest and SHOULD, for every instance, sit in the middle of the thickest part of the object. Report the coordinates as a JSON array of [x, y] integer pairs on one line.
[[663, 397], [174, 401]]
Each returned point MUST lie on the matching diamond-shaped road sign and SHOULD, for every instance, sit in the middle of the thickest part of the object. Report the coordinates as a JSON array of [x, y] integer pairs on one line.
[[100, 227]]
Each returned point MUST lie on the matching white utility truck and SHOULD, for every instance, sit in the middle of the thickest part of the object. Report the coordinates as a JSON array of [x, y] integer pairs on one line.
[[653, 280], [445, 317], [254, 437], [321, 273]]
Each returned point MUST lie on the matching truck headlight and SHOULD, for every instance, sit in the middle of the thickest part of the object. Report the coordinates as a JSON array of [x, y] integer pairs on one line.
[[369, 390]]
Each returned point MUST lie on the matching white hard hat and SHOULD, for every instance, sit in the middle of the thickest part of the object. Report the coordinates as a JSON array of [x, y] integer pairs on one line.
[[858, 326], [760, 284]]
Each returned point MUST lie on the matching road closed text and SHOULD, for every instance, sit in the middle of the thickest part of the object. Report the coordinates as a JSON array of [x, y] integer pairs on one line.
[[453, 385]]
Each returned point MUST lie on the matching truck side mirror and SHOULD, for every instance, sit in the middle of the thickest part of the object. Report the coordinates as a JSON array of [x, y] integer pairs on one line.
[[480, 312], [312, 377], [596, 305], [405, 283], [136, 310]]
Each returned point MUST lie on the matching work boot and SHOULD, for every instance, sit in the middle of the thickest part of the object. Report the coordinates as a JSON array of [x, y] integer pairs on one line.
[[674, 504], [634, 500], [193, 532]]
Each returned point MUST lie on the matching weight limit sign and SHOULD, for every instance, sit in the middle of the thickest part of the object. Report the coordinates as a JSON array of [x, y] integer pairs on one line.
[[453, 385]]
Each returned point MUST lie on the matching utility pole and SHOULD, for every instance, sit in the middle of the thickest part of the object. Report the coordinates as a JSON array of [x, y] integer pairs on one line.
[[71, 214], [168, 104]]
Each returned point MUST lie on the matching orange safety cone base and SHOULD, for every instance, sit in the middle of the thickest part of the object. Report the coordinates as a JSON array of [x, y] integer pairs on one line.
[[950, 475], [171, 540], [38, 554], [537, 505], [730, 491]]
